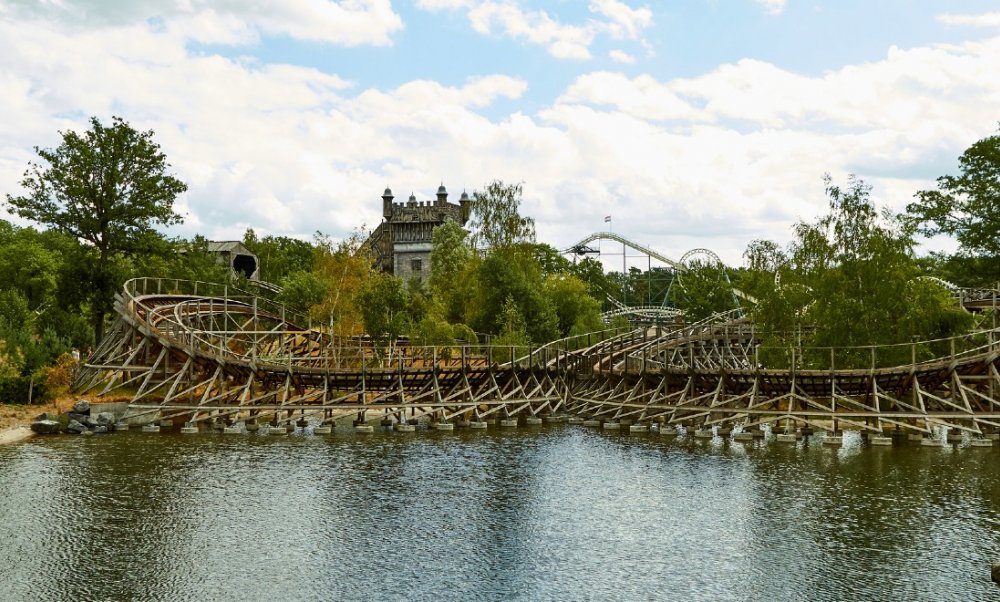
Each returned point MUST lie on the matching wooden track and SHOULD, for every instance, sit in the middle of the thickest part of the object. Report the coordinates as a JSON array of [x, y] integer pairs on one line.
[[201, 351]]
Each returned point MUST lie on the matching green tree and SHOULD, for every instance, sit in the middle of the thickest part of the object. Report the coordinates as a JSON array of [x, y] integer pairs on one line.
[[384, 305], [453, 271], [432, 330], [576, 310], [496, 220], [280, 256], [702, 290], [187, 260], [549, 259], [345, 269], [848, 279], [599, 284], [302, 290], [512, 275], [29, 266], [512, 338], [966, 206], [108, 187]]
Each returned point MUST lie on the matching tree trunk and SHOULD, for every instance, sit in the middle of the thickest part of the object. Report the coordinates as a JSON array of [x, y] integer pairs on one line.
[[98, 326]]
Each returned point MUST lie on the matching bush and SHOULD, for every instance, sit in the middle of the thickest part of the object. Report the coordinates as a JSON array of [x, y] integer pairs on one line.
[[19, 389], [59, 377]]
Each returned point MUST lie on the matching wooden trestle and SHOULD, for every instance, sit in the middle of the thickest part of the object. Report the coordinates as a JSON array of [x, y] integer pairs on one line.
[[199, 351]]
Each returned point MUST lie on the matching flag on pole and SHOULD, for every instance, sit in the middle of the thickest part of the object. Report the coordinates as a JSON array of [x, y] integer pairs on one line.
[[607, 218]]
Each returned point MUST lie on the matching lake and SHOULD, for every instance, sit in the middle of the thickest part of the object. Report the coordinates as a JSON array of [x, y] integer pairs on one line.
[[551, 513]]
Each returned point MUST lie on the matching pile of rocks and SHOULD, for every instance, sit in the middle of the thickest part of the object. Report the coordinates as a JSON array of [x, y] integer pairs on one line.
[[77, 421]]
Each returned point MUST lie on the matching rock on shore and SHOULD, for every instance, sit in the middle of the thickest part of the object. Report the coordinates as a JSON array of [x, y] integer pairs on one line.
[[77, 421]]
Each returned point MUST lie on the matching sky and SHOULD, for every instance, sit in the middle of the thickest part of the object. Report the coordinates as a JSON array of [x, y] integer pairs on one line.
[[692, 123]]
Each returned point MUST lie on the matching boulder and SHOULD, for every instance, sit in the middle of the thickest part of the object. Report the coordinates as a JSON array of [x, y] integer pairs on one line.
[[83, 419], [45, 427], [76, 427], [82, 407], [100, 428], [105, 419], [995, 571]]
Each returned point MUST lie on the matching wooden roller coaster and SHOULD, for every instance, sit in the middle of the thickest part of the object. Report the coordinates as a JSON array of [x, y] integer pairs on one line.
[[196, 352]]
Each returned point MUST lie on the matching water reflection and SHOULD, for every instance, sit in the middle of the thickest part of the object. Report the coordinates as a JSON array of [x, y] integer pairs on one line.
[[552, 513]]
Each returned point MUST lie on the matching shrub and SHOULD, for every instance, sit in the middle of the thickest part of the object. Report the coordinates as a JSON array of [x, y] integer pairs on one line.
[[19, 389]]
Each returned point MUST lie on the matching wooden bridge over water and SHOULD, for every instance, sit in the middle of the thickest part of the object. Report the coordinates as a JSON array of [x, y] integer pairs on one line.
[[199, 352]]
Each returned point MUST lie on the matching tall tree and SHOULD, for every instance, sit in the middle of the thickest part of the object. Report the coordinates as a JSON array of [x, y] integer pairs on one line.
[[108, 187], [703, 289], [848, 279], [384, 305], [511, 275], [453, 271], [576, 311], [280, 256], [496, 219], [966, 206]]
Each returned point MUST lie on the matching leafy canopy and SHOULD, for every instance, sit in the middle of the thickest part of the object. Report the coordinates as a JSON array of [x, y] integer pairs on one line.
[[850, 278], [496, 220], [966, 206], [108, 186]]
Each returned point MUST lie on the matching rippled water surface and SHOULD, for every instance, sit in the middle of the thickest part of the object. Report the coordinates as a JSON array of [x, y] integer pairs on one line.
[[559, 513]]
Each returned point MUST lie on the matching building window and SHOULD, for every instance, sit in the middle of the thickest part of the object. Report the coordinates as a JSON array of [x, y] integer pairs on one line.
[[416, 266]]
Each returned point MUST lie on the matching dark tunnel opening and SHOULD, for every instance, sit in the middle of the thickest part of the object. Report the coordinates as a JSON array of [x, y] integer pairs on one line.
[[245, 264]]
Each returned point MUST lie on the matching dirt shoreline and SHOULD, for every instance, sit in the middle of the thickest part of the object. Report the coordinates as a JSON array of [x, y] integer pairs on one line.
[[15, 419], [16, 434]]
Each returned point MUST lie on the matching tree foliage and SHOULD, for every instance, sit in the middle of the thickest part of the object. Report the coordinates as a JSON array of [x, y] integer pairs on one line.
[[280, 256], [453, 272], [576, 311], [848, 279], [345, 269], [496, 220], [966, 206], [510, 275], [108, 187], [384, 305], [702, 290]]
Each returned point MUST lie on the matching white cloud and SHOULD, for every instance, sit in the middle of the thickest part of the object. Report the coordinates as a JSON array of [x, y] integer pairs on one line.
[[344, 22], [643, 97], [982, 20], [773, 7], [624, 22], [537, 27], [563, 41], [444, 4], [714, 160], [620, 56]]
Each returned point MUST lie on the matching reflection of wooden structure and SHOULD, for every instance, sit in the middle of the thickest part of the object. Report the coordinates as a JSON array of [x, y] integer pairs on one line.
[[207, 351]]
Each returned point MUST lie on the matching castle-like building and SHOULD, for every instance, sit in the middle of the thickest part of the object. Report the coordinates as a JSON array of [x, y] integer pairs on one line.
[[401, 245]]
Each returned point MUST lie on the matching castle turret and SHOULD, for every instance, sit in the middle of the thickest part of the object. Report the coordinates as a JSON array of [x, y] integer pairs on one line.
[[466, 205], [387, 203], [442, 195]]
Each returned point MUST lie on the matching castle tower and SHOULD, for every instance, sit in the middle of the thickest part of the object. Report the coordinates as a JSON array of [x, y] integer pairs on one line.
[[401, 245], [387, 203]]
